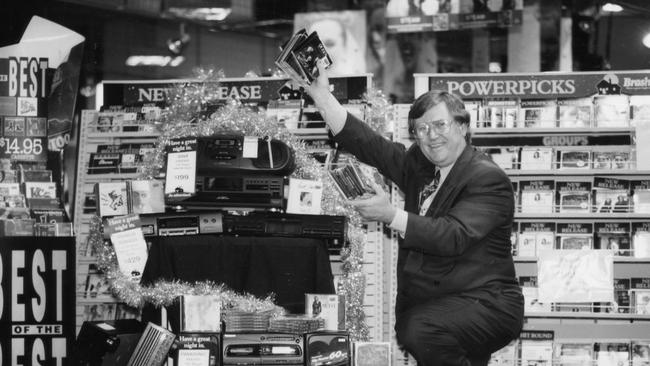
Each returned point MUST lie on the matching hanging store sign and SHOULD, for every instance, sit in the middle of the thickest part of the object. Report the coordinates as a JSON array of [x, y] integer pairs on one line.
[[542, 85], [249, 90], [403, 16]]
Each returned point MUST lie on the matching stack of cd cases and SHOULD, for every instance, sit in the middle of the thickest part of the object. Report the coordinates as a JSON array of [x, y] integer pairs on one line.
[[240, 321], [296, 324]]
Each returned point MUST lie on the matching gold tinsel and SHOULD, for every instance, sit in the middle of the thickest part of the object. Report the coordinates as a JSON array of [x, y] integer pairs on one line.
[[180, 120]]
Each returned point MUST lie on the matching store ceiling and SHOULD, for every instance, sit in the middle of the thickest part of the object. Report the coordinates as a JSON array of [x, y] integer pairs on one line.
[[274, 18]]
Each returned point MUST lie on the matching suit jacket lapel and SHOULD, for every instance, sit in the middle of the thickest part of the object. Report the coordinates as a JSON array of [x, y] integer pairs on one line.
[[425, 170], [451, 182]]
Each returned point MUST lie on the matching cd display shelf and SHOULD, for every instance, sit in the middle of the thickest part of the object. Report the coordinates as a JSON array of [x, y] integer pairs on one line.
[[491, 132], [575, 325], [88, 174], [94, 301]]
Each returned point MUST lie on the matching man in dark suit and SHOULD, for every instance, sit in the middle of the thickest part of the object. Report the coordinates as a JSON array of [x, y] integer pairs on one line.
[[458, 299]]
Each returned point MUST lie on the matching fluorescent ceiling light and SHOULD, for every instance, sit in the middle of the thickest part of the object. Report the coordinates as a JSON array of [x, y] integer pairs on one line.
[[612, 8], [154, 60], [213, 14], [646, 40], [209, 10]]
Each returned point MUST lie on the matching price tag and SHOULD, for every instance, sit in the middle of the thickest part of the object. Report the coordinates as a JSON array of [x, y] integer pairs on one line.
[[181, 172], [250, 147], [23, 148], [129, 244], [180, 178]]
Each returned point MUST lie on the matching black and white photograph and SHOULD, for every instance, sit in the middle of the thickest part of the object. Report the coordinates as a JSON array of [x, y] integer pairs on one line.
[[394, 182]]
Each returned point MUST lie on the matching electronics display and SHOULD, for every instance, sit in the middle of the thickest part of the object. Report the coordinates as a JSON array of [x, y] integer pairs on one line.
[[235, 171], [188, 223], [263, 349], [234, 192], [331, 228], [222, 155], [226, 176]]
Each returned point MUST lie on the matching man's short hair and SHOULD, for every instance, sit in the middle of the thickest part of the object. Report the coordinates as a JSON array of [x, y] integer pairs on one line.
[[432, 98]]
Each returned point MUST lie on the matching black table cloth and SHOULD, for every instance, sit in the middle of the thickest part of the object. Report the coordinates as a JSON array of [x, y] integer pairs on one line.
[[287, 267]]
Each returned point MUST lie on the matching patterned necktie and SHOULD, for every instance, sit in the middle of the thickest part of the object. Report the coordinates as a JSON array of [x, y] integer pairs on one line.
[[429, 189]]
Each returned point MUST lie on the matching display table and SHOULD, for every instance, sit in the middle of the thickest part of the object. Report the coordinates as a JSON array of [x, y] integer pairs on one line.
[[287, 267]]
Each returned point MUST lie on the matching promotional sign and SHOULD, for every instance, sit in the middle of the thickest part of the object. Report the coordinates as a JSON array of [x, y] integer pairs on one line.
[[38, 89], [23, 108], [128, 240], [575, 276], [37, 300], [180, 177]]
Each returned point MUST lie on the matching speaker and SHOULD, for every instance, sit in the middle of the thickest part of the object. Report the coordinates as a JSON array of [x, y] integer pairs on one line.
[[326, 348], [104, 343], [153, 346]]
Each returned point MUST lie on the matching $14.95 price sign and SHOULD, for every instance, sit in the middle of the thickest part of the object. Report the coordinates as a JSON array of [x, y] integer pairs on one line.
[[23, 148]]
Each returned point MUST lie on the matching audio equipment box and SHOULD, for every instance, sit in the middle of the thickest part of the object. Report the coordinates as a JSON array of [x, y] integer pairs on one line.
[[103, 343], [263, 349], [332, 229], [124, 342]]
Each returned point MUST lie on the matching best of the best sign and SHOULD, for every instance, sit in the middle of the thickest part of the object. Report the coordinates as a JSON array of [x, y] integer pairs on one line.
[[37, 300]]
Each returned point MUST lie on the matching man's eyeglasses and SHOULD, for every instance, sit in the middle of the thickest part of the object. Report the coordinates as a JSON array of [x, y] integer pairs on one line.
[[440, 126]]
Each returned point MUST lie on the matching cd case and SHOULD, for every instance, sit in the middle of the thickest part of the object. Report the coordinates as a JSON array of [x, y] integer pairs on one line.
[[350, 181], [200, 313], [300, 56]]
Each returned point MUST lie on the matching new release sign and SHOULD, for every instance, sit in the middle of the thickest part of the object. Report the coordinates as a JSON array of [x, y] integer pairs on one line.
[[252, 90], [37, 300]]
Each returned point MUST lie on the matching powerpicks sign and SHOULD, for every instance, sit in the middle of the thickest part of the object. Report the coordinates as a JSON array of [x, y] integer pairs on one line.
[[542, 85]]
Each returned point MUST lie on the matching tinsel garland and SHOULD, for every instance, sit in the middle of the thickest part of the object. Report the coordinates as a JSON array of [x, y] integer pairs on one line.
[[180, 121]]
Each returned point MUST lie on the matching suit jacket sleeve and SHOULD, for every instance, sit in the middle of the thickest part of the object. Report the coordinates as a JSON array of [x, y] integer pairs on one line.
[[373, 149], [481, 202]]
